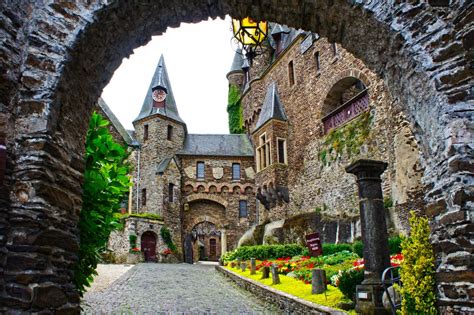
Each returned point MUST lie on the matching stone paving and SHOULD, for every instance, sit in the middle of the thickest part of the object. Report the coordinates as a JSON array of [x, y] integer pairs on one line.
[[173, 289]]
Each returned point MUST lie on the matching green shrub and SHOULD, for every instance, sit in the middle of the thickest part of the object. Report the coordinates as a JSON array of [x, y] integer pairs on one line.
[[395, 245], [106, 182], [151, 216], [417, 270], [263, 252], [166, 235], [132, 239], [358, 248], [329, 249], [349, 280], [337, 258]]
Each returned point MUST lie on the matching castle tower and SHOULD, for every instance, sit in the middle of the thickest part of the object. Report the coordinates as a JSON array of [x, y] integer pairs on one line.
[[270, 139], [161, 132], [236, 74]]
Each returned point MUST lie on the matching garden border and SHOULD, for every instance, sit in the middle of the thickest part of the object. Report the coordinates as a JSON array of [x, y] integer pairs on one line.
[[284, 301]]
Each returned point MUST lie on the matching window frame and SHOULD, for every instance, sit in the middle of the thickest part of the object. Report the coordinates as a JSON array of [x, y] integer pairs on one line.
[[241, 202], [169, 133], [203, 170], [285, 151], [143, 197], [239, 174], [264, 149], [146, 132], [171, 192], [291, 73]]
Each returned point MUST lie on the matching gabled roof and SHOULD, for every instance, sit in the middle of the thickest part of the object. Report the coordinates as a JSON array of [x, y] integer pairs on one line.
[[217, 145], [163, 165], [116, 123], [271, 108], [160, 78]]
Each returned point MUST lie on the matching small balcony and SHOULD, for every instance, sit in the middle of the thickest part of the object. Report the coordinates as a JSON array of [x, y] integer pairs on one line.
[[347, 111]]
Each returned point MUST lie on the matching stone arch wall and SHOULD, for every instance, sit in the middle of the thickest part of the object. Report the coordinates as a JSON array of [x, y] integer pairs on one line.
[[58, 59], [204, 196]]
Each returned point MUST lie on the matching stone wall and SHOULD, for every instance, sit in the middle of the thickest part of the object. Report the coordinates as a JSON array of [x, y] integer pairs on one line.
[[321, 183], [56, 59]]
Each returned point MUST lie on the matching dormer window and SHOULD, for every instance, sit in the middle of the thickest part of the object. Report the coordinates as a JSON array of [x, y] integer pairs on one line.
[[263, 152]]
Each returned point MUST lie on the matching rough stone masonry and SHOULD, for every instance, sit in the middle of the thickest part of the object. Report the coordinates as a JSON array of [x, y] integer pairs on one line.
[[56, 57]]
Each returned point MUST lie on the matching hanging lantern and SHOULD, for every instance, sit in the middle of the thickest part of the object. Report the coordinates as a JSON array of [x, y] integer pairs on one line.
[[250, 34]]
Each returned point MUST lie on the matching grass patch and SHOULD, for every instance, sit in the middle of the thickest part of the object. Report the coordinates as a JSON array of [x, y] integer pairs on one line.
[[299, 289]]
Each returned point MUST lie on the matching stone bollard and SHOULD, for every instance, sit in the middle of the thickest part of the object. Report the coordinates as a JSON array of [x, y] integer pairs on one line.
[[239, 261], [253, 266], [318, 281], [265, 272], [243, 266], [275, 276]]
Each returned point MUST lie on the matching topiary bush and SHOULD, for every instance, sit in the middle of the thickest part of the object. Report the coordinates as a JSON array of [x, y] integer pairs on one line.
[[417, 271], [349, 280]]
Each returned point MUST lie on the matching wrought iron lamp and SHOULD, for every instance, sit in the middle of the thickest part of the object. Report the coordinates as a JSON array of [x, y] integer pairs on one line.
[[250, 34]]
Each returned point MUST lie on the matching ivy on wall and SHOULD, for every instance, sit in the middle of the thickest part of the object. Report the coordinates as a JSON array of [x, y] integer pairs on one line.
[[234, 109], [347, 139]]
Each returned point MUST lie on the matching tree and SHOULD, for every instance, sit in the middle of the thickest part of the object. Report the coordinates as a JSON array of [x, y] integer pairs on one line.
[[106, 182]]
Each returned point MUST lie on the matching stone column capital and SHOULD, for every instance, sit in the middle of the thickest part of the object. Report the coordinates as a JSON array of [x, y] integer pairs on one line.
[[367, 168]]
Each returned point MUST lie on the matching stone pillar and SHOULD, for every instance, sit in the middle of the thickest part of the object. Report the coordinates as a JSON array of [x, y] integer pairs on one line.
[[374, 234], [223, 242], [318, 281], [253, 266], [275, 276]]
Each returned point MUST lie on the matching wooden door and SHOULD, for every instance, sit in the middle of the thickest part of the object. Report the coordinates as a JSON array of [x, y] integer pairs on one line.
[[212, 249], [149, 246]]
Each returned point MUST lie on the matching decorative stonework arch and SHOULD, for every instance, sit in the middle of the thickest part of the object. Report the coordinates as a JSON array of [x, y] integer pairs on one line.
[[205, 196], [51, 78]]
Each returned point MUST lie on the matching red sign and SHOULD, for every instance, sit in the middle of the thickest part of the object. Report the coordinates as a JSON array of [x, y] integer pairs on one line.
[[313, 242]]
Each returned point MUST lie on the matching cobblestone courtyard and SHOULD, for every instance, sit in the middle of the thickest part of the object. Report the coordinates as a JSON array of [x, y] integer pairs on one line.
[[173, 289]]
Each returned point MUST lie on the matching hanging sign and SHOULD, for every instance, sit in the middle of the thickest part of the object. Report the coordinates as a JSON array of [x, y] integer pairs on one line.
[[313, 242]]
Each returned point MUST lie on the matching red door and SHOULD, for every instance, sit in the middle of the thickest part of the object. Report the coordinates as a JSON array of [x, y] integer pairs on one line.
[[149, 246]]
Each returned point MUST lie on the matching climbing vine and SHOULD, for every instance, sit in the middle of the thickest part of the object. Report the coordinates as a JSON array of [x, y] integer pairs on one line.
[[234, 109], [166, 235], [346, 139], [106, 183]]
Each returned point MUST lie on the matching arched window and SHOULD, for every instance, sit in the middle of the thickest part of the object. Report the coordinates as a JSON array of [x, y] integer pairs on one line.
[[347, 99]]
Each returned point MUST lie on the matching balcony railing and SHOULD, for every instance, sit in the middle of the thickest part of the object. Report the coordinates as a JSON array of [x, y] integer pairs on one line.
[[347, 111]]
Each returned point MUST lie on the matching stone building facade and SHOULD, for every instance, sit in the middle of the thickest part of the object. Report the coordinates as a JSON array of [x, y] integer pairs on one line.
[[199, 187], [56, 57], [311, 108]]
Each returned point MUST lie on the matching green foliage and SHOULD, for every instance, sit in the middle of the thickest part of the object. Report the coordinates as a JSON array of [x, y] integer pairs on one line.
[[132, 239], [358, 248], [150, 216], [105, 184], [329, 249], [337, 258], [263, 252], [394, 244], [349, 280], [417, 270], [346, 139], [166, 235], [235, 111], [387, 202]]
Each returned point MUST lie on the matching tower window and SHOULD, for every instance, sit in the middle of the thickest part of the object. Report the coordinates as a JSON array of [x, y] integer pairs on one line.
[[171, 192], [243, 208], [235, 171], [170, 132], [291, 73], [316, 59], [145, 132], [143, 197], [200, 170], [263, 155], [282, 158]]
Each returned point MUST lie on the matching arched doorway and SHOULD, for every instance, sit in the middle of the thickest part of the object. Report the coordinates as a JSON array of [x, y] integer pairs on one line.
[[207, 241], [148, 246], [46, 100]]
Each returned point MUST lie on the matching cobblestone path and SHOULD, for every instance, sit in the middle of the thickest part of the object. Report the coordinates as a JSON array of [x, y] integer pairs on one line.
[[173, 289]]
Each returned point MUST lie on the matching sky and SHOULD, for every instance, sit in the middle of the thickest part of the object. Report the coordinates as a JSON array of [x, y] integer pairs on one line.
[[197, 57]]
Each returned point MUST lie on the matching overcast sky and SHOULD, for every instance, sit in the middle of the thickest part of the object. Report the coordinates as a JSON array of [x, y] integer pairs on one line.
[[197, 57]]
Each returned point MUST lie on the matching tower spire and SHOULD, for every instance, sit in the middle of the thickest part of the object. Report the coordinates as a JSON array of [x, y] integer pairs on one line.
[[159, 98]]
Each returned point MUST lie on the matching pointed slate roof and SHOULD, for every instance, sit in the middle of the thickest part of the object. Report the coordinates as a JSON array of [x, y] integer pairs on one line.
[[129, 140], [237, 62], [278, 29], [272, 108], [160, 78]]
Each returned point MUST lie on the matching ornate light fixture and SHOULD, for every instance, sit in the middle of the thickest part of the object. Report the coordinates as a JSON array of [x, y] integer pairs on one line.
[[249, 35]]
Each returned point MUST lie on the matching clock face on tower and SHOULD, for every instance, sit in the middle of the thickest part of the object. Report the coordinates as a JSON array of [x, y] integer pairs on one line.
[[159, 95]]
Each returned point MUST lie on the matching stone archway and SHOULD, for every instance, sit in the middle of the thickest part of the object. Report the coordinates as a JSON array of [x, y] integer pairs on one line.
[[59, 56]]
